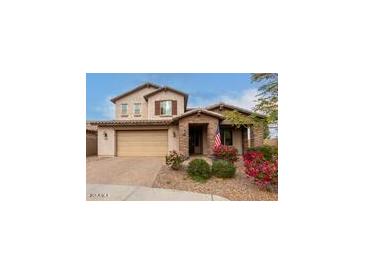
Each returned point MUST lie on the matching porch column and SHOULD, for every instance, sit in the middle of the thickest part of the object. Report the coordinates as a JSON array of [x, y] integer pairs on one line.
[[184, 137], [211, 130], [257, 135]]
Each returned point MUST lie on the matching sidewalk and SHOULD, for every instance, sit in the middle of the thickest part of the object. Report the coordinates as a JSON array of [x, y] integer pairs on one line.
[[104, 192]]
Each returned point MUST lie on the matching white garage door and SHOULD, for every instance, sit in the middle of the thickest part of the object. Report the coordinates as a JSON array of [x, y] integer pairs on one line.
[[142, 143]]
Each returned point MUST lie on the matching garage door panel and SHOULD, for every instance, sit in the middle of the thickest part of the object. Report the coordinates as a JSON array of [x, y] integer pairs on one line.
[[131, 139], [142, 143], [151, 149], [145, 146], [143, 132], [143, 153], [137, 140]]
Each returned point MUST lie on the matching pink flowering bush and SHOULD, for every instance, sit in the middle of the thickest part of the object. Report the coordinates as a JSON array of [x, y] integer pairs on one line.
[[256, 166], [228, 153]]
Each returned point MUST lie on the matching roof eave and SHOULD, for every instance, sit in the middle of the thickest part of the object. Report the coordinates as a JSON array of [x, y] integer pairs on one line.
[[148, 84], [131, 123], [237, 108], [198, 111]]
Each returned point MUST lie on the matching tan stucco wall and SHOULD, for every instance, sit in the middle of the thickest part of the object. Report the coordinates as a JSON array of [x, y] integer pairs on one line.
[[165, 95], [135, 97], [106, 147], [173, 142]]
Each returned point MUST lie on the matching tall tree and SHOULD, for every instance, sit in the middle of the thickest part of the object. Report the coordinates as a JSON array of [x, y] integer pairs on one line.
[[267, 98]]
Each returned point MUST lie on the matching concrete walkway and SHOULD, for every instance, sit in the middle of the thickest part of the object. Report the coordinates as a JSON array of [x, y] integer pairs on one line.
[[107, 192]]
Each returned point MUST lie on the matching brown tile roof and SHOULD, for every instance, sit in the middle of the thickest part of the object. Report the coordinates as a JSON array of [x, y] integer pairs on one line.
[[197, 111], [90, 127], [147, 84], [131, 122], [222, 104]]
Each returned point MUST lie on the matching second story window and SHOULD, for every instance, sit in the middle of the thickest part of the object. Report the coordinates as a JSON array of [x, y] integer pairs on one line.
[[137, 108], [166, 108], [124, 109]]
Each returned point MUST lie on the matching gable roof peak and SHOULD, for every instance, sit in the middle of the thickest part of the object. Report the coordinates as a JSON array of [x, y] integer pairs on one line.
[[166, 88], [198, 111], [144, 85], [222, 105], [150, 84]]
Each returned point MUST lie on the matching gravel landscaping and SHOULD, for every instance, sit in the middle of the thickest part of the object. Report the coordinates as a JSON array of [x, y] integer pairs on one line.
[[239, 188]]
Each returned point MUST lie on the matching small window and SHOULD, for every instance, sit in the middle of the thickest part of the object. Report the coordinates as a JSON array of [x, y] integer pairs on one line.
[[137, 108], [226, 136], [166, 107], [124, 109]]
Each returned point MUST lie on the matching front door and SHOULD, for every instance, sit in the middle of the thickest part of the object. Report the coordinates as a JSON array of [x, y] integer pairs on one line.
[[195, 140]]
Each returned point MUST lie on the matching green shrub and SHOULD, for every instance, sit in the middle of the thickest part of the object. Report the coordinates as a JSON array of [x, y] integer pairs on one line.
[[199, 170], [223, 169], [174, 159], [269, 152]]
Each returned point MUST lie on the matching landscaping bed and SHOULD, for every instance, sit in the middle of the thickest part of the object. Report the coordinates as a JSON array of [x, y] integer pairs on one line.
[[239, 188]]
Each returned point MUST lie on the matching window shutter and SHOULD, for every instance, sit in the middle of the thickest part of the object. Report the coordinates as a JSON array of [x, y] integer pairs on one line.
[[157, 107], [174, 107]]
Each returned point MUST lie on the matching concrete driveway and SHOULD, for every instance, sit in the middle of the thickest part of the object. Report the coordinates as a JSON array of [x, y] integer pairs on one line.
[[140, 171]]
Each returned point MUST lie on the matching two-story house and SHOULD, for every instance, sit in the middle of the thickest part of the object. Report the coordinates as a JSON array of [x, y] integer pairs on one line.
[[151, 120]]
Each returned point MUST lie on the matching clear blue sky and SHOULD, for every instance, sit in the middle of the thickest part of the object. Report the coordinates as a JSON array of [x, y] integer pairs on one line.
[[203, 89]]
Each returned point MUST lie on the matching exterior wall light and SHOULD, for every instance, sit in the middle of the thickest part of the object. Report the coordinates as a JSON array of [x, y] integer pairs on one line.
[[105, 135]]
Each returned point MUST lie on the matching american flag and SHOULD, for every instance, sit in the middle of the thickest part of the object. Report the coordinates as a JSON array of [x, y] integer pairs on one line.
[[217, 141]]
